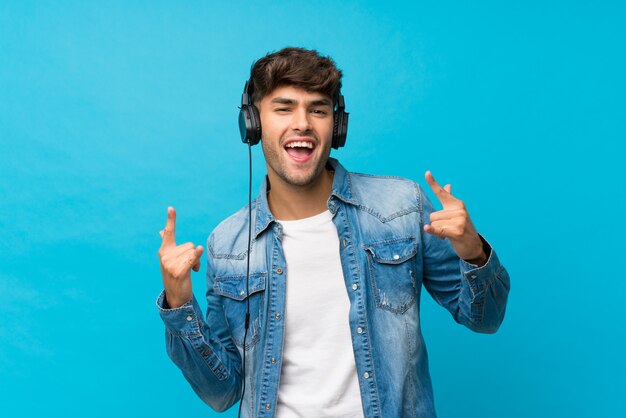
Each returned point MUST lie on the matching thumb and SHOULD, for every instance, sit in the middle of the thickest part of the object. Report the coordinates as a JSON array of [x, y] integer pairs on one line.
[[197, 253]]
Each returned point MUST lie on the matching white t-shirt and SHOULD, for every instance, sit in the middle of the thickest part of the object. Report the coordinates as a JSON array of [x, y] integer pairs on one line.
[[318, 376]]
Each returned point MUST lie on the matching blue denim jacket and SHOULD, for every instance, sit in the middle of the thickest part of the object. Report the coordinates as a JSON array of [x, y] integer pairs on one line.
[[386, 258]]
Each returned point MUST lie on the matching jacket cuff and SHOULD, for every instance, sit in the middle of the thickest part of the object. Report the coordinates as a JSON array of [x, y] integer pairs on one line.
[[480, 277], [184, 320]]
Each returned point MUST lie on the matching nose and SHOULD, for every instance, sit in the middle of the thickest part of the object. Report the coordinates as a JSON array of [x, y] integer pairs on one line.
[[300, 121]]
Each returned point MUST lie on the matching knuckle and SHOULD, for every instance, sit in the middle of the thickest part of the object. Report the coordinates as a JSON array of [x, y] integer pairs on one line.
[[181, 272], [164, 254], [167, 267]]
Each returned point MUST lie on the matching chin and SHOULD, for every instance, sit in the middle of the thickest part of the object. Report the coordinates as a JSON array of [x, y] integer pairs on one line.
[[300, 181], [302, 178]]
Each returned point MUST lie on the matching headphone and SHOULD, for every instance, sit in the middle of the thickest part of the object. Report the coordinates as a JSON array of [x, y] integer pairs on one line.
[[250, 122]]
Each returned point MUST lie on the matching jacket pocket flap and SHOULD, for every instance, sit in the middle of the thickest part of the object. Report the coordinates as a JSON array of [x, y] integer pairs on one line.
[[234, 287], [393, 252]]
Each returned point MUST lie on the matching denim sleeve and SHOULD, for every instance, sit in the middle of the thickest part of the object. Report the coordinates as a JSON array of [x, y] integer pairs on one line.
[[475, 296], [203, 349]]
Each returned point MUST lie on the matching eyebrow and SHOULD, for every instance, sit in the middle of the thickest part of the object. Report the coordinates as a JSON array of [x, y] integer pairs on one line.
[[287, 101]]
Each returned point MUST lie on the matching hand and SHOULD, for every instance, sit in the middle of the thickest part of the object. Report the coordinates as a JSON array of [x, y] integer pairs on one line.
[[454, 223], [176, 263]]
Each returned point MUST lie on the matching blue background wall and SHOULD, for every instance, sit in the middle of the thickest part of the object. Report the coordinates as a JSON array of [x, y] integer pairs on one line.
[[108, 114]]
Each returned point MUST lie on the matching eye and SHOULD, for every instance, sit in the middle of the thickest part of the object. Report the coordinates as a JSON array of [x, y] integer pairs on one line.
[[282, 109], [320, 112]]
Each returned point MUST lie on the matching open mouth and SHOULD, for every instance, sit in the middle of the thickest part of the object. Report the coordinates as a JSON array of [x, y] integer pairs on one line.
[[300, 151]]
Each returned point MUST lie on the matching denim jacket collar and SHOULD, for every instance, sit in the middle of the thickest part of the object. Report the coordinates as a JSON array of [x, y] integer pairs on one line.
[[341, 189]]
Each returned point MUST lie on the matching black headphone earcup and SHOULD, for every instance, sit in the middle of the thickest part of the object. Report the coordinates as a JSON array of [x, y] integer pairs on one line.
[[255, 126], [340, 128], [335, 129], [249, 124]]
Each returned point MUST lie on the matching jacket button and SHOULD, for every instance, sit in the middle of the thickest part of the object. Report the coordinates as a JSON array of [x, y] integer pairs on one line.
[[279, 270], [277, 315], [189, 318], [267, 406], [396, 257], [273, 360], [355, 286], [207, 352], [359, 330], [366, 375]]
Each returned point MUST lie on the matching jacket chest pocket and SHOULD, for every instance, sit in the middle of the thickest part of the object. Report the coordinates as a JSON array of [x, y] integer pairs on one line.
[[391, 266], [235, 303]]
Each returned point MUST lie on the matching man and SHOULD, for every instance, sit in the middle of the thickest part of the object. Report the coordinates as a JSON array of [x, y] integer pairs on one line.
[[337, 264]]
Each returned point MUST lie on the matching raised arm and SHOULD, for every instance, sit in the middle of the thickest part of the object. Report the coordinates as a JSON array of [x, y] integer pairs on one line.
[[461, 270], [202, 349]]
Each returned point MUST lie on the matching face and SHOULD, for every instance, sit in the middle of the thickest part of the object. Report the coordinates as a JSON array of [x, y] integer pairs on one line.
[[297, 128]]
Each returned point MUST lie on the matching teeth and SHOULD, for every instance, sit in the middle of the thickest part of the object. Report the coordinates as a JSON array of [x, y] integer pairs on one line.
[[299, 144]]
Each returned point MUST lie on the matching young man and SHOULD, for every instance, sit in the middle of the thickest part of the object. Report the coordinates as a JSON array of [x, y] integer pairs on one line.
[[337, 264]]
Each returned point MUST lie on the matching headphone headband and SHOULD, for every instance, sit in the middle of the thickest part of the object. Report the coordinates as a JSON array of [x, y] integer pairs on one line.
[[250, 121]]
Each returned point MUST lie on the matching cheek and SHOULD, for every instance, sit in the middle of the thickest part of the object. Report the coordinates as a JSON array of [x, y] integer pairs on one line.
[[268, 151], [271, 151], [271, 126], [327, 133]]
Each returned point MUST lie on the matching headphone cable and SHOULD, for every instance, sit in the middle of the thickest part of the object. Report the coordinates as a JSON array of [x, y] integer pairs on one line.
[[247, 323]]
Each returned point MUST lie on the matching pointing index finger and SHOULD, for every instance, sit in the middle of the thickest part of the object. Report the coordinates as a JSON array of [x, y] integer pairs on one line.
[[169, 232], [443, 194]]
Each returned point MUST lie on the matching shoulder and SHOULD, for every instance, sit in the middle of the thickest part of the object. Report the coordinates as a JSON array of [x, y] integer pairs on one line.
[[385, 197], [365, 185], [230, 237]]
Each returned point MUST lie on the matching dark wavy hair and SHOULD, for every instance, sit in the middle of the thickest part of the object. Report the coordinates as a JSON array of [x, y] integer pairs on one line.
[[298, 67]]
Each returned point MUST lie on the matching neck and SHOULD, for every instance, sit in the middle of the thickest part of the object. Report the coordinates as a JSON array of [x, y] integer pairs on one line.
[[288, 202]]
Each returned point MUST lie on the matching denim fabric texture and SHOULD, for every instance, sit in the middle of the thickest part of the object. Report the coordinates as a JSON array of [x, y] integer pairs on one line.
[[387, 260]]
